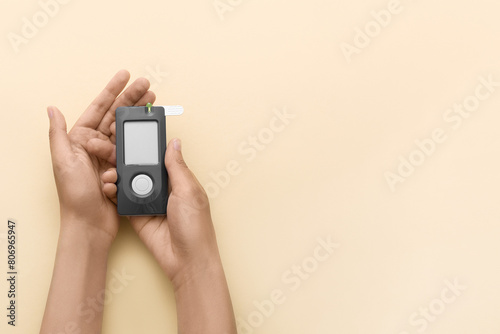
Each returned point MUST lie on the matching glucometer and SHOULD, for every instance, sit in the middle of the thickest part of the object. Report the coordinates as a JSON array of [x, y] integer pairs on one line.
[[142, 185]]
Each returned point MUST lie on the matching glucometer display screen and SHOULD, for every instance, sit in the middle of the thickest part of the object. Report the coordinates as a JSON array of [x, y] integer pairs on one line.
[[140, 142]]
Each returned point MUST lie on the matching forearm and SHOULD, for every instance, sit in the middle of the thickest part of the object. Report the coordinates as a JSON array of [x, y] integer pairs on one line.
[[79, 277], [204, 304]]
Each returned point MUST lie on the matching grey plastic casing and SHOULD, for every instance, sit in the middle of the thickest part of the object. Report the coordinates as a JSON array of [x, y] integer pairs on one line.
[[130, 203]]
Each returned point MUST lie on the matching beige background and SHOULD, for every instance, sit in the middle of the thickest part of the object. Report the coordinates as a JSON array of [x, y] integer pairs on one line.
[[323, 175]]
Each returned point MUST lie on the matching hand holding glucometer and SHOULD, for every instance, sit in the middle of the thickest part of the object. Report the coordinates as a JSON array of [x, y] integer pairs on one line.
[[177, 228]]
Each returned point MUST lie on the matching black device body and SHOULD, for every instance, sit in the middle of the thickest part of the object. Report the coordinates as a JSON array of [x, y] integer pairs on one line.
[[130, 203]]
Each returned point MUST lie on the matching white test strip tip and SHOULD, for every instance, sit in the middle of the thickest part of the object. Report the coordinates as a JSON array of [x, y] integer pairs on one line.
[[173, 110]]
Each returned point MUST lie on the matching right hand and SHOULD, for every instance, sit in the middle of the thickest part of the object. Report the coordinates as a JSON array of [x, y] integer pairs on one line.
[[183, 241]]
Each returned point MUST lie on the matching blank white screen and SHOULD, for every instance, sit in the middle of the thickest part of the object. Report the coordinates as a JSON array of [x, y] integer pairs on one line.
[[141, 142]]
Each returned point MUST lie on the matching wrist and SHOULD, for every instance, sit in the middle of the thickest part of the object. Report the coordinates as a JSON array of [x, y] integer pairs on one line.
[[198, 272], [81, 232]]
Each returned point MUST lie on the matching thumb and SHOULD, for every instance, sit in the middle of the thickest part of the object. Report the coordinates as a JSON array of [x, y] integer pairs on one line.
[[181, 178], [58, 136]]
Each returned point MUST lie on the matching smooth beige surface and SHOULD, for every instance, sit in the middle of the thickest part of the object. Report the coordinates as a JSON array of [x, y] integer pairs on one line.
[[320, 175]]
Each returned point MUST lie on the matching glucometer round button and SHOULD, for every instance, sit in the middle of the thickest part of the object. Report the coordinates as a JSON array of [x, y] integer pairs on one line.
[[142, 184]]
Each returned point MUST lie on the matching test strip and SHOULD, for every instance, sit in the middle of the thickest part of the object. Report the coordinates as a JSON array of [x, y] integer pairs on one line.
[[173, 110]]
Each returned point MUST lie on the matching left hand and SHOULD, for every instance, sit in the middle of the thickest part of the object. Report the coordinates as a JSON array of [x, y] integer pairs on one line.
[[82, 155]]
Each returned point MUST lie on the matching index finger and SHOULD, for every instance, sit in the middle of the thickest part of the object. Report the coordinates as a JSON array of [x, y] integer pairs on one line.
[[92, 117]]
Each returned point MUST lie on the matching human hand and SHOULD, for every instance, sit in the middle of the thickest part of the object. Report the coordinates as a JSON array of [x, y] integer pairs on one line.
[[185, 246], [183, 242], [77, 166]]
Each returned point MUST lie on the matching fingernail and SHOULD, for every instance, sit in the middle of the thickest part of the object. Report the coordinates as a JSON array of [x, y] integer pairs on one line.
[[50, 112], [177, 144]]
